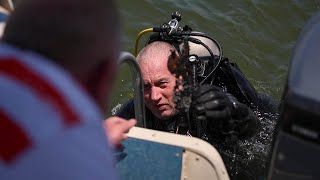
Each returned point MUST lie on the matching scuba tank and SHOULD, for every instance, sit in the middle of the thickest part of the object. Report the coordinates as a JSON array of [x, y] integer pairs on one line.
[[296, 145]]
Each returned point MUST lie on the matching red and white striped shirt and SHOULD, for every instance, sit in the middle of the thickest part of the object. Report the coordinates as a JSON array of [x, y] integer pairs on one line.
[[49, 127]]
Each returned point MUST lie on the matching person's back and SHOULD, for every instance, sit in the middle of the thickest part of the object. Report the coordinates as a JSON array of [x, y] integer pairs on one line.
[[44, 128], [56, 64]]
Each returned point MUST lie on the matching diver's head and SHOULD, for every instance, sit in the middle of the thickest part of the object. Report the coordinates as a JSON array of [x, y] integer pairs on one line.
[[158, 81]]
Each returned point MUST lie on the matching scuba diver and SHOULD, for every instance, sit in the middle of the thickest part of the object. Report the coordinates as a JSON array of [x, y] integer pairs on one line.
[[190, 88]]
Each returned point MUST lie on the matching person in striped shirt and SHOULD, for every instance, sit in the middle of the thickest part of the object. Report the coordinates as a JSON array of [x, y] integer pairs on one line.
[[57, 67]]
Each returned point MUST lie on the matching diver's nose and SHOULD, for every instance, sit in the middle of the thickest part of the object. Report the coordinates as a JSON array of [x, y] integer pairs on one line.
[[155, 94]]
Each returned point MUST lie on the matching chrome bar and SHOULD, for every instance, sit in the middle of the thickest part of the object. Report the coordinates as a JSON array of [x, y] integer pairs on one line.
[[139, 106]]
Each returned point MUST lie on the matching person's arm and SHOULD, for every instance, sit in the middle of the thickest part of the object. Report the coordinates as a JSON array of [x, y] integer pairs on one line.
[[247, 123], [116, 129]]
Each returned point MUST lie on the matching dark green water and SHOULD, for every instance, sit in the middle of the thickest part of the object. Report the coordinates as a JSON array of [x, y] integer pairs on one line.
[[258, 35]]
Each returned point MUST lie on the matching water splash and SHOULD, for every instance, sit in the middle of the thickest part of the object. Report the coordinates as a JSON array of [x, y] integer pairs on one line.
[[251, 157]]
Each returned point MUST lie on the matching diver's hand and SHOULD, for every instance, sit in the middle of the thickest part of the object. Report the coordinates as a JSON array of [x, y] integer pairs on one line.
[[116, 129], [246, 121], [211, 104], [223, 115], [211, 112]]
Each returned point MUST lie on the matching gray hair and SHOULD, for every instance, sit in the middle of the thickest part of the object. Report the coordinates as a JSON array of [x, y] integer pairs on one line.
[[154, 49]]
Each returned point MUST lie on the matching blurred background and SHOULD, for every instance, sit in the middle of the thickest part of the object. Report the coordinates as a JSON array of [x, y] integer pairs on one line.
[[258, 35]]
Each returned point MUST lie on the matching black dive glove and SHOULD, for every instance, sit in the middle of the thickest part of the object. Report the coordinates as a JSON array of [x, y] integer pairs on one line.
[[221, 115]]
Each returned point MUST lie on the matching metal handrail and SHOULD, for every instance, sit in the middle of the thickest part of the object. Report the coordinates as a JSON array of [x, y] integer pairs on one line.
[[139, 106]]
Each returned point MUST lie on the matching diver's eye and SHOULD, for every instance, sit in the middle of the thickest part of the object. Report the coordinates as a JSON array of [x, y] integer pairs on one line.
[[163, 84], [146, 87]]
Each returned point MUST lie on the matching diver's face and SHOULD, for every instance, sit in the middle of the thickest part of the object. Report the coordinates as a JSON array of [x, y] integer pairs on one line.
[[159, 86]]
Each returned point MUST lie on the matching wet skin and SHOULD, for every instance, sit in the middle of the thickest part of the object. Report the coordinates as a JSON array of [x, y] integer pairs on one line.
[[159, 86]]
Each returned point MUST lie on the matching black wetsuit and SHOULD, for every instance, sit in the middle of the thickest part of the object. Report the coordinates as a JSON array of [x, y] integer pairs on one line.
[[247, 158]]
